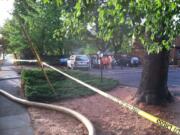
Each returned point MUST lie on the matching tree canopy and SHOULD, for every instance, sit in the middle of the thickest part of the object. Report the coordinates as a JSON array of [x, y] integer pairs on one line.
[[41, 21], [112, 24], [156, 23]]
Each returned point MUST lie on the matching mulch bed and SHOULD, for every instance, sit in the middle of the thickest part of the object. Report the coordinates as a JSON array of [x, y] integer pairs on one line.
[[108, 118]]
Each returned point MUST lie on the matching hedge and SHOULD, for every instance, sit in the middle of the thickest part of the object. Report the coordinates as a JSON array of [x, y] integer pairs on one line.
[[36, 87]]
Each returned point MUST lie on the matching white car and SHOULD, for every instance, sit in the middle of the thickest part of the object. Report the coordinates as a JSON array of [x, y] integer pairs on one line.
[[79, 62]]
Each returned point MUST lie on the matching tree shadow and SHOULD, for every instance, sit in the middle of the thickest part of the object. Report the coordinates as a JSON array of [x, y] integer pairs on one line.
[[9, 78]]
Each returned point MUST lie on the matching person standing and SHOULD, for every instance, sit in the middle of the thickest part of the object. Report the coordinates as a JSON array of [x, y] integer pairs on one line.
[[110, 62]]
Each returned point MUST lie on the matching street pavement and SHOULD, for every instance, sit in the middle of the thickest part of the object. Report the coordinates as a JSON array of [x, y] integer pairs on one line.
[[14, 118], [131, 76]]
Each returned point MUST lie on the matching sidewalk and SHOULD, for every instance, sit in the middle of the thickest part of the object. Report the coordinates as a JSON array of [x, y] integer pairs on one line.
[[14, 118]]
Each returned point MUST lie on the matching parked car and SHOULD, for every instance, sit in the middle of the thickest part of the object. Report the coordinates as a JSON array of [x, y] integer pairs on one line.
[[126, 61], [123, 61], [79, 62], [135, 61], [63, 60]]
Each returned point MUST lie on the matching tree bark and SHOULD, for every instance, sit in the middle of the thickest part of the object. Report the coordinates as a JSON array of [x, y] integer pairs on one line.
[[153, 87]]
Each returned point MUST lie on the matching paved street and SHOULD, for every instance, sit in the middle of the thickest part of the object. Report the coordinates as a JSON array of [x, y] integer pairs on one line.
[[131, 76], [14, 118]]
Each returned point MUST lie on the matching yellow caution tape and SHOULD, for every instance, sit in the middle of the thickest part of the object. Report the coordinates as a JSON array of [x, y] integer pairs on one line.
[[136, 110]]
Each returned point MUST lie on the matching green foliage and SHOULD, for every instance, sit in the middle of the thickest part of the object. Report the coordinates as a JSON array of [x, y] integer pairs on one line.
[[37, 73], [71, 26], [111, 25], [47, 26], [41, 21], [161, 23], [156, 23], [52, 23], [12, 34], [153, 21], [37, 89]]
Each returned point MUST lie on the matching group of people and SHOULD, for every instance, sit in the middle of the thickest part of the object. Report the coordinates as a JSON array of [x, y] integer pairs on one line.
[[106, 61]]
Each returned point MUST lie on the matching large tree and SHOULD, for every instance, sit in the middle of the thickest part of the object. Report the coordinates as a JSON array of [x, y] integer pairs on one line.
[[40, 21], [159, 26], [156, 23]]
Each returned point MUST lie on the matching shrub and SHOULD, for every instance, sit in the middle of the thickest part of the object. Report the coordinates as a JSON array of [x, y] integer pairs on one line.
[[37, 74], [37, 89]]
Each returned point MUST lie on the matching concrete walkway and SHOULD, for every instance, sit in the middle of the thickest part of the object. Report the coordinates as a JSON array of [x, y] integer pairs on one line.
[[14, 118]]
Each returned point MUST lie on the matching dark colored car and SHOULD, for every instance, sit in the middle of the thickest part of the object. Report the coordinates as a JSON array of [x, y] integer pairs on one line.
[[63, 60], [135, 61], [127, 61], [123, 61]]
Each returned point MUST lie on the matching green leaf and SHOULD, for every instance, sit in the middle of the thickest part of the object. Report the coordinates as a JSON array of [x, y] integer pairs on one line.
[[158, 3]]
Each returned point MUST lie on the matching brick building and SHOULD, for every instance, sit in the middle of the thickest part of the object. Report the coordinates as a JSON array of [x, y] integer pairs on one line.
[[175, 52], [138, 50]]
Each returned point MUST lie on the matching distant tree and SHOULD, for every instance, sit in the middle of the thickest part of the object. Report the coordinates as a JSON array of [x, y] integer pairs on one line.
[[12, 35], [40, 21]]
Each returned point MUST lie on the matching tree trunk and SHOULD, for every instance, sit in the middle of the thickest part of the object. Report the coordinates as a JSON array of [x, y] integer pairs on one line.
[[153, 87]]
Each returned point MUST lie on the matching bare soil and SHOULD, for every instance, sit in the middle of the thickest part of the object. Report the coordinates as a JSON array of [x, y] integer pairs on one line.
[[46, 122], [108, 118]]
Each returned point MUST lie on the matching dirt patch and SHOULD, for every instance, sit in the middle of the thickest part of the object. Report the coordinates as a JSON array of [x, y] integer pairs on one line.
[[108, 118], [47, 122]]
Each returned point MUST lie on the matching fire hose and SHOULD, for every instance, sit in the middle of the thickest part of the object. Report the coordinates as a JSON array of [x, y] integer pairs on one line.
[[89, 126]]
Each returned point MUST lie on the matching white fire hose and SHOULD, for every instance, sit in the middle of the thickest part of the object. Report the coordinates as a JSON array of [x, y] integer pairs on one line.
[[89, 126]]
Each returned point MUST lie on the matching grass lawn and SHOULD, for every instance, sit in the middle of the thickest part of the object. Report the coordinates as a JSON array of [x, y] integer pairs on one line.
[[36, 87]]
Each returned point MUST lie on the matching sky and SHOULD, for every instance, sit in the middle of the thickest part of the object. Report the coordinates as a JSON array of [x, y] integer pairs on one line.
[[6, 7]]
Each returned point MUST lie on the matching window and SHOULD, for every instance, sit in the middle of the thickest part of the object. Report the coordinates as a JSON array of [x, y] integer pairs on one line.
[[82, 58]]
